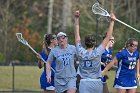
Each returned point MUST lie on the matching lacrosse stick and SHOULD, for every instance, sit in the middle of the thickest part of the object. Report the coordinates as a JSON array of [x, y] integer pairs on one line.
[[96, 9], [23, 41]]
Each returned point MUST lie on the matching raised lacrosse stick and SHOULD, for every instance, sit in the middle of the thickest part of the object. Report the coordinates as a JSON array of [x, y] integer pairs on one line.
[[23, 41], [96, 9]]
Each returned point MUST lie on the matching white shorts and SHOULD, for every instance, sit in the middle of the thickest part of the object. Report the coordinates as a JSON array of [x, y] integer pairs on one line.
[[50, 88], [121, 87], [90, 86], [69, 84]]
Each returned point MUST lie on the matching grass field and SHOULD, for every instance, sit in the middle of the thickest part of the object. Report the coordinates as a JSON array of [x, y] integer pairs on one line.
[[26, 78]]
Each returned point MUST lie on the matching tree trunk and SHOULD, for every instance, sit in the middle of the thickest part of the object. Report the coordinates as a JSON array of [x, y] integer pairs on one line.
[[50, 15], [112, 6], [5, 28], [65, 14]]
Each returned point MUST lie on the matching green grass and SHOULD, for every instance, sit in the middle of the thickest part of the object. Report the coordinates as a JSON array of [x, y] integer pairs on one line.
[[27, 79]]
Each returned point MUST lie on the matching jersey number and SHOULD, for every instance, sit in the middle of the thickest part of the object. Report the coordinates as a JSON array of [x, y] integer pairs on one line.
[[66, 61], [132, 65], [88, 64]]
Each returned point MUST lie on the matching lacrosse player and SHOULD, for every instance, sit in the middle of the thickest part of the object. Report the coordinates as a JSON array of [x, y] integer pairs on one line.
[[90, 58], [50, 41], [65, 74], [106, 59], [128, 67]]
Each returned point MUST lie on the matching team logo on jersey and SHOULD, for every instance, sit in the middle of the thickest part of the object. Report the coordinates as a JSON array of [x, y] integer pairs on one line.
[[132, 58], [109, 55]]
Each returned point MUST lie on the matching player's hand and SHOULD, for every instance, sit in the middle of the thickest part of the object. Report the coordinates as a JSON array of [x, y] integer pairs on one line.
[[38, 56], [138, 76], [77, 13], [112, 16], [103, 73], [103, 64], [48, 79]]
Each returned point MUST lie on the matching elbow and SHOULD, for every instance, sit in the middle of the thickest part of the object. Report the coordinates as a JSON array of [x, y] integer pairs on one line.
[[39, 66]]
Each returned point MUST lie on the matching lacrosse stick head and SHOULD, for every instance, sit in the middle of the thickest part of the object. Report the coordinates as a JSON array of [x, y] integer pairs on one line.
[[96, 9], [21, 39]]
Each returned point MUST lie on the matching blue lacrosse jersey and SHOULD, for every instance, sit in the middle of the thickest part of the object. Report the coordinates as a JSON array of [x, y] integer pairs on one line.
[[106, 58], [126, 72], [43, 79]]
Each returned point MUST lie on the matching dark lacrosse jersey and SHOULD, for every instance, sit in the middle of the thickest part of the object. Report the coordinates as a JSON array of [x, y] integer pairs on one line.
[[126, 72], [106, 57]]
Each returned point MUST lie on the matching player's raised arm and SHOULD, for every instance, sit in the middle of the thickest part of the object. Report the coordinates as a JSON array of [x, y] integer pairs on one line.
[[109, 30], [77, 34]]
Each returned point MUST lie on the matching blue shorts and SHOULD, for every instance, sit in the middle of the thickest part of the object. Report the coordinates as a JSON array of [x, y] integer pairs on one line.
[[44, 84]]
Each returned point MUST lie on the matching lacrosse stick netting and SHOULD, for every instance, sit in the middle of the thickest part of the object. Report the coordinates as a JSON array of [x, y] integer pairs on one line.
[[23, 41], [96, 9]]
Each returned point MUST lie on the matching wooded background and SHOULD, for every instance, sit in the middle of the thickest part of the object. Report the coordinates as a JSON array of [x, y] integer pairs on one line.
[[34, 18]]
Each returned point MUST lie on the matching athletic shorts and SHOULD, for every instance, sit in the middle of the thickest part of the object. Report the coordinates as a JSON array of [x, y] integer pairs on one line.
[[91, 86], [62, 85], [44, 84], [126, 83]]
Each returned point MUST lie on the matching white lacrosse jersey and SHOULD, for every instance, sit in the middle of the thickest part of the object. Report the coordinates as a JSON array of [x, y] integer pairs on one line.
[[64, 61], [89, 62]]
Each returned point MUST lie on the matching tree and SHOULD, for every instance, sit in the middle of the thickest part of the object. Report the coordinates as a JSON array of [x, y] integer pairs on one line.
[[66, 14], [50, 16], [6, 20]]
